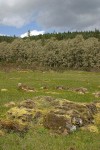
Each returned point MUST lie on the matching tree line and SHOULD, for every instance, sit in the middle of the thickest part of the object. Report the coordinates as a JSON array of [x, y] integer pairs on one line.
[[79, 52], [57, 35]]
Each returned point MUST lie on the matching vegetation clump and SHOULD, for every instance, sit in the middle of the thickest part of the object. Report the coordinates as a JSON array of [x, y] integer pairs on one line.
[[63, 117], [25, 88], [90, 128], [71, 115], [13, 125]]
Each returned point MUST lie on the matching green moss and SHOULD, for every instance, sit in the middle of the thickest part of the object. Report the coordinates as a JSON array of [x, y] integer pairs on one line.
[[97, 119], [91, 128]]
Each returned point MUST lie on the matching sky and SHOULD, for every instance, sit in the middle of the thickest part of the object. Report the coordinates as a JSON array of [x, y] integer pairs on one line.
[[42, 16]]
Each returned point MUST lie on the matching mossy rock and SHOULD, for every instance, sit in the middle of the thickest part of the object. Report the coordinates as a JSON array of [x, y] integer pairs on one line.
[[27, 104], [60, 115], [58, 123], [22, 114], [52, 121], [10, 104], [13, 125], [70, 116], [77, 110]]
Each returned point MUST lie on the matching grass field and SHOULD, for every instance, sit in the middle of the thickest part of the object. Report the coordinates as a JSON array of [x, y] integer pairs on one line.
[[39, 138]]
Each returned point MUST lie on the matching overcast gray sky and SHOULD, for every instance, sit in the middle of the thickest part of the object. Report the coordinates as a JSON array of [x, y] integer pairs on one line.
[[55, 14]]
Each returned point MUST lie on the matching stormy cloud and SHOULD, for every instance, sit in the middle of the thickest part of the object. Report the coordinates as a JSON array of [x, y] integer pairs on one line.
[[57, 14]]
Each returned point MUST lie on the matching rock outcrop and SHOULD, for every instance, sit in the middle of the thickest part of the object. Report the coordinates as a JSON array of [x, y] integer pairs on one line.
[[70, 116], [59, 115]]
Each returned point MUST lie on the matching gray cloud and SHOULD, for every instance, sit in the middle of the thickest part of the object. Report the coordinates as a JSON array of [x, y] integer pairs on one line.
[[56, 14]]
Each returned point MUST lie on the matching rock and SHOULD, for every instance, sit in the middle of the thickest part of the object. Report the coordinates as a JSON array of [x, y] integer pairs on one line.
[[77, 121], [79, 112], [27, 104], [97, 94], [25, 88], [54, 122], [58, 123], [4, 90], [73, 128], [70, 116], [60, 88], [80, 90], [44, 88]]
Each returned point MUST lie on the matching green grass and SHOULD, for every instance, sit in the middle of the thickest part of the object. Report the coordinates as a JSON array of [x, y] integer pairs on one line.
[[39, 138]]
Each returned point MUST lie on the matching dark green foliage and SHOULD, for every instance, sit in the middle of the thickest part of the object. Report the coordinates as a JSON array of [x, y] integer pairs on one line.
[[67, 35], [8, 39]]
